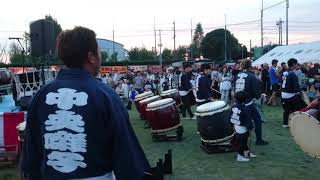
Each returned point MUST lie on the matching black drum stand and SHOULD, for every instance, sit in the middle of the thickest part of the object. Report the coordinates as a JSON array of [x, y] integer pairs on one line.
[[166, 136], [214, 148], [162, 168]]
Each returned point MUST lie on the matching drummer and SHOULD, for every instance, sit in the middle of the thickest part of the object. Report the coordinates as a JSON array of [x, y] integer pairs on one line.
[[77, 127], [291, 92], [204, 83], [185, 90], [247, 82]]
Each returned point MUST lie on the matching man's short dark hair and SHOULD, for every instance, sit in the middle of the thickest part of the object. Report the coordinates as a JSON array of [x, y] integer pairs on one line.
[[240, 97], [292, 62], [273, 62], [283, 63], [186, 65], [205, 67], [246, 64], [74, 45]]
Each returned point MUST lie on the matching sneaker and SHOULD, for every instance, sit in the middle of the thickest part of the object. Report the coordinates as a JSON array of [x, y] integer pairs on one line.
[[262, 143], [285, 126], [242, 159], [248, 154]]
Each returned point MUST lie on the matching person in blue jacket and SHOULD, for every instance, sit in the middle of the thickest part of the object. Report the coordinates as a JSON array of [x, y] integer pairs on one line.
[[77, 127], [204, 83], [247, 82]]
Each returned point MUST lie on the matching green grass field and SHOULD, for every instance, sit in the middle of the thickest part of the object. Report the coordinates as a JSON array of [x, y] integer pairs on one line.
[[280, 160]]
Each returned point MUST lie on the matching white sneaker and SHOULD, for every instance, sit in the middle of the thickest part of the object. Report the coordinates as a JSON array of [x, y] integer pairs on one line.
[[248, 154], [285, 126], [242, 159]]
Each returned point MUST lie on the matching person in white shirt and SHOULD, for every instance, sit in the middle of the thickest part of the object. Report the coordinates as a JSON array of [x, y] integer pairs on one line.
[[225, 84]]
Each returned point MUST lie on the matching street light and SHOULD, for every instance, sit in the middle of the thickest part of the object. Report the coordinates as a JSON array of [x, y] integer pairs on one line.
[[242, 50]]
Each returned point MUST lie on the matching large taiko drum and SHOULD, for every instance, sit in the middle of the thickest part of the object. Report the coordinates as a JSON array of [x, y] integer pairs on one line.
[[164, 117], [143, 106], [305, 129], [213, 120], [172, 93], [140, 97], [315, 104]]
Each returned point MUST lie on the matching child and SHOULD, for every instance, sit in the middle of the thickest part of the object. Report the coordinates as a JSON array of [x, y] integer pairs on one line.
[[242, 125], [132, 94]]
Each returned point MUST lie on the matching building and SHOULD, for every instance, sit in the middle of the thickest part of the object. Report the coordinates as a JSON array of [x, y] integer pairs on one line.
[[304, 53], [108, 46]]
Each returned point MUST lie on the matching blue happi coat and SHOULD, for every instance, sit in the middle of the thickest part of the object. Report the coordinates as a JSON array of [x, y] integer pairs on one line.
[[77, 127]]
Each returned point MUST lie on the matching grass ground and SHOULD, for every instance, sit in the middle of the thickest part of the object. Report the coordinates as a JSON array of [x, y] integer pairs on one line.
[[280, 160]]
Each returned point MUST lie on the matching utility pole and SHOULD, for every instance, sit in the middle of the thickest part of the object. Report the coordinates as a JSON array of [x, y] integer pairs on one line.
[[174, 36], [155, 39], [113, 48], [287, 22], [250, 50], [262, 25], [160, 45], [225, 38], [191, 41], [279, 23]]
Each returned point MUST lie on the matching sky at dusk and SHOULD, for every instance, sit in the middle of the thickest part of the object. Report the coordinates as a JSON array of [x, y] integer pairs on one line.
[[133, 20]]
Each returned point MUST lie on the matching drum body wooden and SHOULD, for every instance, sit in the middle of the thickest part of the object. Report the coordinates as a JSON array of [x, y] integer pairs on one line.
[[164, 116], [305, 129], [143, 106], [174, 94], [213, 120], [140, 97]]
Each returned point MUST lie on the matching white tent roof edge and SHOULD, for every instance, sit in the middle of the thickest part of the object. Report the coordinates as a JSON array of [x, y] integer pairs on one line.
[[304, 53]]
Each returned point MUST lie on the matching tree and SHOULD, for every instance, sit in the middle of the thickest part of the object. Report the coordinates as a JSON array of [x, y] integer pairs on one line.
[[57, 26], [167, 54], [181, 52], [213, 46], [140, 54], [104, 56], [114, 57], [196, 42]]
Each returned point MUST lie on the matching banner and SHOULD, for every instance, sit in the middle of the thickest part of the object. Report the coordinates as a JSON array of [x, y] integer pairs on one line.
[[113, 69], [155, 68], [19, 70], [138, 68]]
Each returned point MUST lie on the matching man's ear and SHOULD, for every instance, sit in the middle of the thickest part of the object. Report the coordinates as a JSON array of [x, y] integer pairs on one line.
[[91, 57]]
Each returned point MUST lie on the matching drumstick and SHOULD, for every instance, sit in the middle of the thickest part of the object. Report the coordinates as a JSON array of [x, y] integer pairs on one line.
[[215, 90]]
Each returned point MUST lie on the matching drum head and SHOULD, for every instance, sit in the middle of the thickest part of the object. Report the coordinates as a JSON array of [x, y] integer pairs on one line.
[[211, 106], [305, 131], [168, 92], [149, 99], [145, 94], [160, 103]]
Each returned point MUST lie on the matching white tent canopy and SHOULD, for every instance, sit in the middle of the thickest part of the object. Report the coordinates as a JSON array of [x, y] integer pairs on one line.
[[304, 53]]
